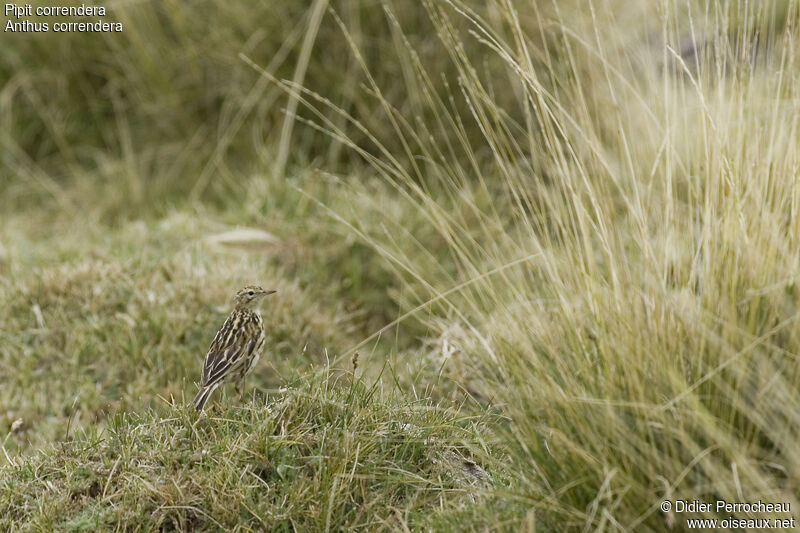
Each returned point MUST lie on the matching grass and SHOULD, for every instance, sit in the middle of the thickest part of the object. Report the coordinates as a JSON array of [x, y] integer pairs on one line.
[[315, 457], [579, 217]]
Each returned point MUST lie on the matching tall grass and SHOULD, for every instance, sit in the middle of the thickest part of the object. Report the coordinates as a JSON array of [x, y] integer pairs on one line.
[[622, 245], [165, 112]]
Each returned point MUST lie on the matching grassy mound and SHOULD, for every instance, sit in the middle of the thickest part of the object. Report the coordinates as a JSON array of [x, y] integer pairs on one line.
[[318, 457]]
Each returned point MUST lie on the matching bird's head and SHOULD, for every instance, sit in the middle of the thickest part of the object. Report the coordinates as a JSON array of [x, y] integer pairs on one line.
[[250, 296]]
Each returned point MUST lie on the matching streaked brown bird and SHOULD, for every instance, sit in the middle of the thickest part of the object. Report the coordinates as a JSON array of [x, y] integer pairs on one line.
[[236, 346]]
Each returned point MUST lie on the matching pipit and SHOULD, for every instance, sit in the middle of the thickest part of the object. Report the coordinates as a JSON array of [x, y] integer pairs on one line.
[[236, 346]]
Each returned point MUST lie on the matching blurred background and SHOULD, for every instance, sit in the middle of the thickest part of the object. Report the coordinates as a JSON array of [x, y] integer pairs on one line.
[[581, 216]]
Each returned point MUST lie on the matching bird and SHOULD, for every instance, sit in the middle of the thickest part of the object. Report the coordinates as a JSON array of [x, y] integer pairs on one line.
[[236, 346]]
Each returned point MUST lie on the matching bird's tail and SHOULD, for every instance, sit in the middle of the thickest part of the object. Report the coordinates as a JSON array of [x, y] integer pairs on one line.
[[203, 395]]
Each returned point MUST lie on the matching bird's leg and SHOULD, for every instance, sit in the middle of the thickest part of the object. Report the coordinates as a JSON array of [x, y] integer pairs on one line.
[[239, 386]]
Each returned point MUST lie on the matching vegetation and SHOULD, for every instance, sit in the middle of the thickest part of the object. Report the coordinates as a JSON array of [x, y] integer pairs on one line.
[[317, 457], [562, 236]]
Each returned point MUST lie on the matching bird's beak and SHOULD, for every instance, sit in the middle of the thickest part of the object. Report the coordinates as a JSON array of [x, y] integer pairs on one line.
[[269, 292]]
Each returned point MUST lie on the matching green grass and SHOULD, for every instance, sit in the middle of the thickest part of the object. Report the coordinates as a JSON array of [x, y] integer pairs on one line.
[[317, 456], [563, 214]]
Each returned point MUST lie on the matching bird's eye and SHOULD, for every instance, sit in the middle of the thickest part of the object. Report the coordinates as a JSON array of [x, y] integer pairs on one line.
[[250, 293]]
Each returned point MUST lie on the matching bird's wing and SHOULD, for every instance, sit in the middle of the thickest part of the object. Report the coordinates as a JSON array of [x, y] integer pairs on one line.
[[227, 351]]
